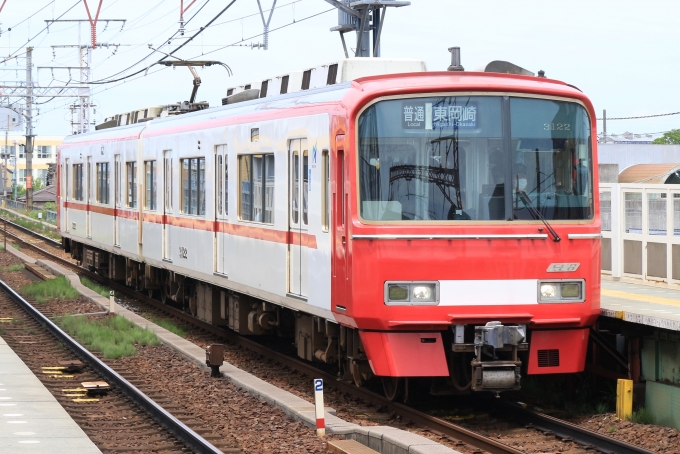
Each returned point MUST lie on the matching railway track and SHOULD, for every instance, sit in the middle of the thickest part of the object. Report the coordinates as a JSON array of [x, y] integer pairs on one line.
[[115, 423], [543, 424]]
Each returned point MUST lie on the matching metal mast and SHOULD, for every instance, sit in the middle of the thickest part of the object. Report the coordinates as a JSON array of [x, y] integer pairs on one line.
[[29, 128], [366, 17]]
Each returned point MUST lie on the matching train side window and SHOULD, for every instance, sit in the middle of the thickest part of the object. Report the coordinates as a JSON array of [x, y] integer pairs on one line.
[[131, 170], [78, 182], [220, 184], [305, 186], [193, 186], [325, 191], [256, 196], [103, 182], [150, 174], [116, 178], [167, 182]]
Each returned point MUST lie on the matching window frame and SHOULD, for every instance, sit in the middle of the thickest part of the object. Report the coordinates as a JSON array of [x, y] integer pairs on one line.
[[131, 184], [592, 146], [102, 182], [78, 182], [200, 188], [150, 185], [265, 195], [325, 191]]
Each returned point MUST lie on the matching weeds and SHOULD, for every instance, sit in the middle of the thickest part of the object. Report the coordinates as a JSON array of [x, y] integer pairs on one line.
[[642, 416], [13, 267], [114, 337], [102, 290], [612, 430], [602, 408], [16, 246], [167, 324], [54, 288]]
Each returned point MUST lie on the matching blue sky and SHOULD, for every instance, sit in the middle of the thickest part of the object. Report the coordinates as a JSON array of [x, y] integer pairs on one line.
[[624, 55]]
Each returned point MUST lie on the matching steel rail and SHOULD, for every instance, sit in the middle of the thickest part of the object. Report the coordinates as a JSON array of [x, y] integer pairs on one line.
[[541, 422], [566, 430], [165, 419], [50, 241]]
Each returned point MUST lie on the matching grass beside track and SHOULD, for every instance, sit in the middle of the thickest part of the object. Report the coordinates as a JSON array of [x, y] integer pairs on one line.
[[168, 324], [36, 226], [13, 267], [102, 290], [112, 336], [55, 288]]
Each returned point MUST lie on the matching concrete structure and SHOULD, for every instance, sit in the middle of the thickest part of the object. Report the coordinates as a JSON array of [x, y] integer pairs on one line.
[[44, 153], [31, 419], [626, 155], [651, 174]]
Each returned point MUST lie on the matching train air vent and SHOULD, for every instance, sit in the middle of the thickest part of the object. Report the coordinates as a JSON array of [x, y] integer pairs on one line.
[[284, 85], [263, 88], [247, 87], [306, 79], [548, 358], [332, 74]]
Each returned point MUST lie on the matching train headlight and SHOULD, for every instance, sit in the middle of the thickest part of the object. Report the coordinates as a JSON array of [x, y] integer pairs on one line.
[[423, 292], [548, 291], [561, 291], [407, 293]]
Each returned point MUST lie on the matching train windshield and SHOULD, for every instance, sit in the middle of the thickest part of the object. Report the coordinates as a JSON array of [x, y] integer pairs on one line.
[[475, 158]]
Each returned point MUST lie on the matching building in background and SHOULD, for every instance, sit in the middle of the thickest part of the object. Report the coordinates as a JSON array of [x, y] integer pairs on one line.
[[44, 154]]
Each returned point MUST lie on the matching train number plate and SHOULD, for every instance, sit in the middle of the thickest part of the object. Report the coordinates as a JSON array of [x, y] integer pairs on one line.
[[563, 267]]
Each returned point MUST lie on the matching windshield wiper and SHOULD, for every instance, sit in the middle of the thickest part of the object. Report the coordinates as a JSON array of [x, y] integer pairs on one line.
[[534, 210]]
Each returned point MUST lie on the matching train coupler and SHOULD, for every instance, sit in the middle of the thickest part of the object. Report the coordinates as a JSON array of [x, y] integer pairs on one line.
[[500, 343]]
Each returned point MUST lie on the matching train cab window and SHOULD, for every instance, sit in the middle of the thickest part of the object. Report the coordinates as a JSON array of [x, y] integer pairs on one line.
[[78, 182], [131, 171], [326, 191], [193, 186], [150, 175], [474, 158], [256, 185], [103, 183]]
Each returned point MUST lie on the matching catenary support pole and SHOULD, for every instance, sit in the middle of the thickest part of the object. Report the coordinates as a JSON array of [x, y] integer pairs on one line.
[[29, 128]]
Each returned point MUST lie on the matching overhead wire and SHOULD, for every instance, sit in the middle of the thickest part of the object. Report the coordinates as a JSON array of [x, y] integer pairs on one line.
[[642, 116], [15, 26], [13, 54]]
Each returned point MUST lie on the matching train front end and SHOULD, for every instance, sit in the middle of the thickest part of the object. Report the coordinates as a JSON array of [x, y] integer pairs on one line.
[[471, 246]]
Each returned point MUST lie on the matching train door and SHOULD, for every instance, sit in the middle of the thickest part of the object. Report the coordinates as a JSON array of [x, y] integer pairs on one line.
[[221, 208], [167, 202], [66, 194], [116, 198], [88, 221], [299, 218], [339, 287]]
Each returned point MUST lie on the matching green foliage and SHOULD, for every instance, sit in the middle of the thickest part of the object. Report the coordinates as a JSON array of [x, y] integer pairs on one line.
[[50, 206], [13, 267], [16, 246], [37, 226], [113, 336], [642, 416], [38, 184], [103, 291], [168, 324], [602, 408], [612, 430], [54, 288], [672, 137]]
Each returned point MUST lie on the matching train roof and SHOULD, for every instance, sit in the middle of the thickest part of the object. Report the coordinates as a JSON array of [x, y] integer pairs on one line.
[[349, 95]]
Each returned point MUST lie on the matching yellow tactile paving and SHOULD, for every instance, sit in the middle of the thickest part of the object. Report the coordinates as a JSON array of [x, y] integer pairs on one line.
[[639, 297]]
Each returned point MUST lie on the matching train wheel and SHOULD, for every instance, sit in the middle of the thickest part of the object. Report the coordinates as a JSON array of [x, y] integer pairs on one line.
[[393, 387]]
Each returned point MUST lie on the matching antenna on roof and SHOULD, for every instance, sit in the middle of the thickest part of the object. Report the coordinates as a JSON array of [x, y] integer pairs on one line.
[[363, 16]]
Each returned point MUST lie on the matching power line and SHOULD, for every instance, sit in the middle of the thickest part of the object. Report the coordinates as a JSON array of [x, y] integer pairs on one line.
[[643, 116], [38, 34], [9, 29]]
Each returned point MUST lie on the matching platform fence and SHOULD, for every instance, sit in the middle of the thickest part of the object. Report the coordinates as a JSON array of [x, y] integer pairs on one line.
[[641, 231]]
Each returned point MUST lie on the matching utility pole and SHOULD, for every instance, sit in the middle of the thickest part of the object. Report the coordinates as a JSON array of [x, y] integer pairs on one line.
[[4, 173], [81, 107], [362, 16], [16, 171], [604, 125], [266, 23], [29, 128]]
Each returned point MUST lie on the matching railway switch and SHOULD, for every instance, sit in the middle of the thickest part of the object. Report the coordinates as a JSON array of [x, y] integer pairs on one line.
[[214, 358]]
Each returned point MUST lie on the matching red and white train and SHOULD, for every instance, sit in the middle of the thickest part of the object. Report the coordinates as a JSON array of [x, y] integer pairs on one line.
[[395, 222]]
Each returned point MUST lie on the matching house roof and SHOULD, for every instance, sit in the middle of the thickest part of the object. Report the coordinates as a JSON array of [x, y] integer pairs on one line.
[[46, 194]]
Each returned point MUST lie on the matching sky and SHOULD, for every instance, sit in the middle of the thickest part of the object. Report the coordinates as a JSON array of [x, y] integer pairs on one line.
[[624, 55]]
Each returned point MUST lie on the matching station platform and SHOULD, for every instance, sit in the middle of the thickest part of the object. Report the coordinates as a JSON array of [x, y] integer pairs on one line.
[[31, 419], [649, 305]]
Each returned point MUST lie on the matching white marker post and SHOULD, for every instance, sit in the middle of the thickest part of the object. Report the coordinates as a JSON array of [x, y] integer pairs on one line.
[[318, 407], [112, 304]]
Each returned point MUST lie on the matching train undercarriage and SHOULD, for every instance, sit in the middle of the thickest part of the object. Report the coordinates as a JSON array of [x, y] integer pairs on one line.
[[479, 358]]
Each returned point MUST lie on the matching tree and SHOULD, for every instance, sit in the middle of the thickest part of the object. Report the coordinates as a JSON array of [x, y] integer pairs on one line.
[[672, 137]]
